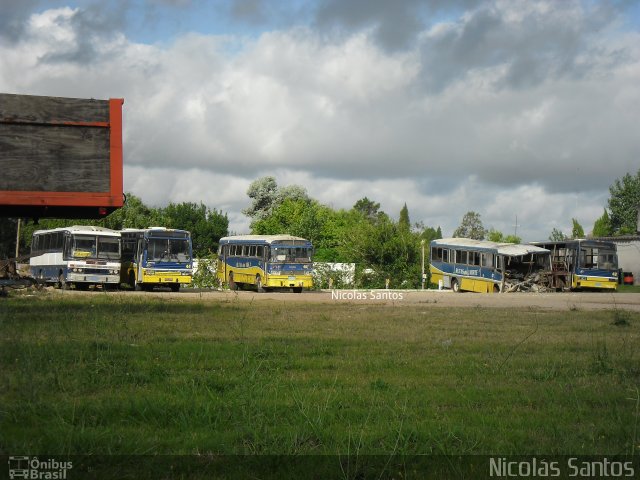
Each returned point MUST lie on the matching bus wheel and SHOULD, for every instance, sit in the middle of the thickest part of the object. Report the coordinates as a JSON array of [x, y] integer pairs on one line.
[[496, 289], [175, 287], [259, 284], [297, 289], [455, 285]]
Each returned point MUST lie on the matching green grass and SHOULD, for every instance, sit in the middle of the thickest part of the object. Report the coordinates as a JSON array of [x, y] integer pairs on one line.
[[116, 375], [629, 288]]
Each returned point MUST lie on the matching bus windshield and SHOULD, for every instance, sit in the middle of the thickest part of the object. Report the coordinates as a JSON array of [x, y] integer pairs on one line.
[[598, 258], [108, 248], [168, 250], [89, 246], [291, 254]]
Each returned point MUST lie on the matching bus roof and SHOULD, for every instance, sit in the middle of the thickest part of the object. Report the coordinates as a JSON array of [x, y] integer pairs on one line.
[[81, 229], [507, 249], [154, 230], [265, 239], [574, 242]]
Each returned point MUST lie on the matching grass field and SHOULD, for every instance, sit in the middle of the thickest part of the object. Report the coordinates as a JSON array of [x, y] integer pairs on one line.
[[106, 374]]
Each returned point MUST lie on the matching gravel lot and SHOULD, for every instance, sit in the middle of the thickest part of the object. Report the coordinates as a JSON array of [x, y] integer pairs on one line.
[[544, 301]]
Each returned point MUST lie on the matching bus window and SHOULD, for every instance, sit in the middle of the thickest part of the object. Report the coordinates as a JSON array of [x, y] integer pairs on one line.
[[461, 257], [260, 251], [474, 258], [487, 260]]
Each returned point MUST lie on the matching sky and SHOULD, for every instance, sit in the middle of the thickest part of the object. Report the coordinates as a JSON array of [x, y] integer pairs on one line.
[[523, 111]]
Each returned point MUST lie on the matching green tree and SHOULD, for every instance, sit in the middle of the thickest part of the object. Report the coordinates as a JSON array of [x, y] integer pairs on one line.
[[470, 227], [557, 236], [404, 222], [494, 235], [624, 203], [577, 231], [512, 239], [206, 226], [602, 226], [368, 208]]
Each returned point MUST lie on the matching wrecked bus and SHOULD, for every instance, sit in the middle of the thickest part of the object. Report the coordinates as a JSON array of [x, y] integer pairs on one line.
[[582, 264], [463, 264]]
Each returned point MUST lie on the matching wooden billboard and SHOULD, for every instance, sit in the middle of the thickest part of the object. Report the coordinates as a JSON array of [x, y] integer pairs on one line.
[[60, 157]]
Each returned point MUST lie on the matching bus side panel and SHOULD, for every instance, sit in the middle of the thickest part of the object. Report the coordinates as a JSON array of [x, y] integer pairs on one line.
[[245, 270]]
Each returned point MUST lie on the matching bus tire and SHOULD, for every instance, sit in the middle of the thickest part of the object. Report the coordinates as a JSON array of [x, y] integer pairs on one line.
[[259, 284], [496, 288], [455, 285], [175, 287], [297, 289]]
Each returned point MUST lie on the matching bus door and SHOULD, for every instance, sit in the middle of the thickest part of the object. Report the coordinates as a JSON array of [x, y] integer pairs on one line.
[[139, 258]]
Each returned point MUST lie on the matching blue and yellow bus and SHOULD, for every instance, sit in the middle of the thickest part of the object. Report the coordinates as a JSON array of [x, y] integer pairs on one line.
[[266, 262], [156, 257], [583, 264], [463, 264]]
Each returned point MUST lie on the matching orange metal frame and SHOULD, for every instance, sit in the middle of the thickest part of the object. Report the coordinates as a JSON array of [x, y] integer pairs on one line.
[[111, 199]]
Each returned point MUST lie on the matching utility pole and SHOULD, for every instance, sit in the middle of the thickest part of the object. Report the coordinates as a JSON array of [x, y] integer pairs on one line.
[[18, 239], [515, 233], [422, 245]]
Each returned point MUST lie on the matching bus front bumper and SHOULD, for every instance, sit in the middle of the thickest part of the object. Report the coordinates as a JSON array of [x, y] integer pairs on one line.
[[596, 282], [289, 281], [167, 277], [92, 278]]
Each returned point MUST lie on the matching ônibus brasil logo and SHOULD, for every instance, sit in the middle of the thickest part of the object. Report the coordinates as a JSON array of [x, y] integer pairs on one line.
[[35, 468]]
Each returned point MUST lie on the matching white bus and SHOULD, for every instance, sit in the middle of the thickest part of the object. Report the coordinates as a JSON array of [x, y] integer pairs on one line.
[[77, 256]]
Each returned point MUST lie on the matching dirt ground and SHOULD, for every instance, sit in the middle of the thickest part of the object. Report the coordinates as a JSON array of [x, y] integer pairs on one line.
[[399, 298]]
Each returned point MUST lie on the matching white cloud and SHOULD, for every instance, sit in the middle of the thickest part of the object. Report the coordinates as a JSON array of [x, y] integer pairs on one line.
[[205, 114]]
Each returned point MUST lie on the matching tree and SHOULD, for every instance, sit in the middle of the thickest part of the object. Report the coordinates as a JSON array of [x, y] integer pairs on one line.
[[206, 226], [602, 226], [494, 235], [624, 203], [512, 239], [557, 235], [577, 230], [499, 237], [267, 196], [262, 192], [404, 223], [470, 227], [368, 208]]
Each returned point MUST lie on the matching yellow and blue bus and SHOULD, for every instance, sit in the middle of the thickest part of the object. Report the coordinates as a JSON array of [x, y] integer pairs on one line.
[[266, 262], [583, 264], [463, 264], [156, 257]]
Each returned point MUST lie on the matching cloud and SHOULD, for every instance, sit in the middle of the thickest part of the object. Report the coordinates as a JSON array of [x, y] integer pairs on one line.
[[13, 16], [506, 108]]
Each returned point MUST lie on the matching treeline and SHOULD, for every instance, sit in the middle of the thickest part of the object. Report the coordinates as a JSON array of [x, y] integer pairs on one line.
[[207, 226], [381, 247], [619, 217]]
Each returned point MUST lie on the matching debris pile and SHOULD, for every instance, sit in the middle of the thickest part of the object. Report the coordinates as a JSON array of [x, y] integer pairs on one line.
[[533, 282]]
